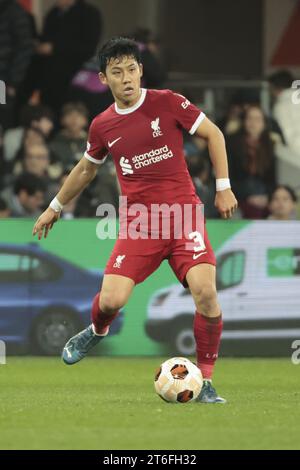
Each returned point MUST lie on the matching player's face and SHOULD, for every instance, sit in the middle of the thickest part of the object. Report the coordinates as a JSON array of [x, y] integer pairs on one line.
[[123, 76]]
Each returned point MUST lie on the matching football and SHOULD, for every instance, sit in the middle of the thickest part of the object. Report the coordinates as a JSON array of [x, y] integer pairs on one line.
[[178, 380]]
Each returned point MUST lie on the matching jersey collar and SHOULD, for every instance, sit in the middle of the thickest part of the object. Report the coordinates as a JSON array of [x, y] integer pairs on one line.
[[135, 106]]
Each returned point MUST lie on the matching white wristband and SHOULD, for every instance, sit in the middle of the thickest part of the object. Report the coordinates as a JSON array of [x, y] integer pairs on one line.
[[222, 183], [56, 205]]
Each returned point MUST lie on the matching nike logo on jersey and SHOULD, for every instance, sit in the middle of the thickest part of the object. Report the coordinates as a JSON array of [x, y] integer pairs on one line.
[[200, 254], [110, 144]]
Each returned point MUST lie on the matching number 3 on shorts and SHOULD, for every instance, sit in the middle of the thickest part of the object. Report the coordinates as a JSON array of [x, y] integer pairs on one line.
[[197, 237]]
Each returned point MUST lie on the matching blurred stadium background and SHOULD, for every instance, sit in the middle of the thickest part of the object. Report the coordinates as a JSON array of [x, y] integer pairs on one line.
[[238, 61]]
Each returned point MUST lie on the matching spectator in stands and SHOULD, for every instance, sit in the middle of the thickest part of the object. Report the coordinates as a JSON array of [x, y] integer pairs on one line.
[[282, 205], [31, 138], [32, 77], [4, 209], [35, 117], [86, 88], [69, 145], [16, 48], [36, 161], [70, 36], [252, 164], [200, 171], [286, 111], [103, 189], [26, 198], [231, 122], [154, 72]]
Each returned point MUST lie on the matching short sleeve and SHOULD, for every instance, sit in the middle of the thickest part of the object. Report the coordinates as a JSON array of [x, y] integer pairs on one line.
[[186, 114], [96, 151]]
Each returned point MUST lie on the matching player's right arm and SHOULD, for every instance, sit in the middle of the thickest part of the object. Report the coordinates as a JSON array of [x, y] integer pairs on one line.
[[81, 175]]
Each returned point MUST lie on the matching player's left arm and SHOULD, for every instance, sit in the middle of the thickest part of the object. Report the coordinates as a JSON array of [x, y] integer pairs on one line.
[[225, 200]]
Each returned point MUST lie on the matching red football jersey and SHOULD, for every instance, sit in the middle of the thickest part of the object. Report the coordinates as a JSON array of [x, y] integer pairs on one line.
[[146, 144]]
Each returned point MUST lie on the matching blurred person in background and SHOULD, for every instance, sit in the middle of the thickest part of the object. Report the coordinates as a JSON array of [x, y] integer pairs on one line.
[[104, 189], [4, 209], [35, 161], [285, 110], [252, 164], [69, 144], [86, 88], [31, 137], [282, 205], [16, 48], [204, 185], [32, 77], [201, 173], [154, 72], [231, 121], [27, 197], [71, 33], [32, 117]]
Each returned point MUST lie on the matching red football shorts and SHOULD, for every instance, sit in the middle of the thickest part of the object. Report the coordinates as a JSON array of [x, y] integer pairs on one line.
[[139, 258]]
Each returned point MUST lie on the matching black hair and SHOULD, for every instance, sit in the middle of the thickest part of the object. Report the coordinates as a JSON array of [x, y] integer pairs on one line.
[[118, 47], [76, 106], [288, 189], [20, 153], [33, 129], [29, 183], [30, 113], [282, 79]]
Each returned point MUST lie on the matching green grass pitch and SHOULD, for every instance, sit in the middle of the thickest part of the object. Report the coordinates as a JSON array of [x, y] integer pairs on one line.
[[110, 403]]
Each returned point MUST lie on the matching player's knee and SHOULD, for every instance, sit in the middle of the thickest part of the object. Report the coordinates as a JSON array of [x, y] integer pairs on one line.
[[110, 302], [206, 296]]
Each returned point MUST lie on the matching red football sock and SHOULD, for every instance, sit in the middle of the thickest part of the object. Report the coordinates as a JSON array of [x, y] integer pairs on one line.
[[101, 320], [207, 333]]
